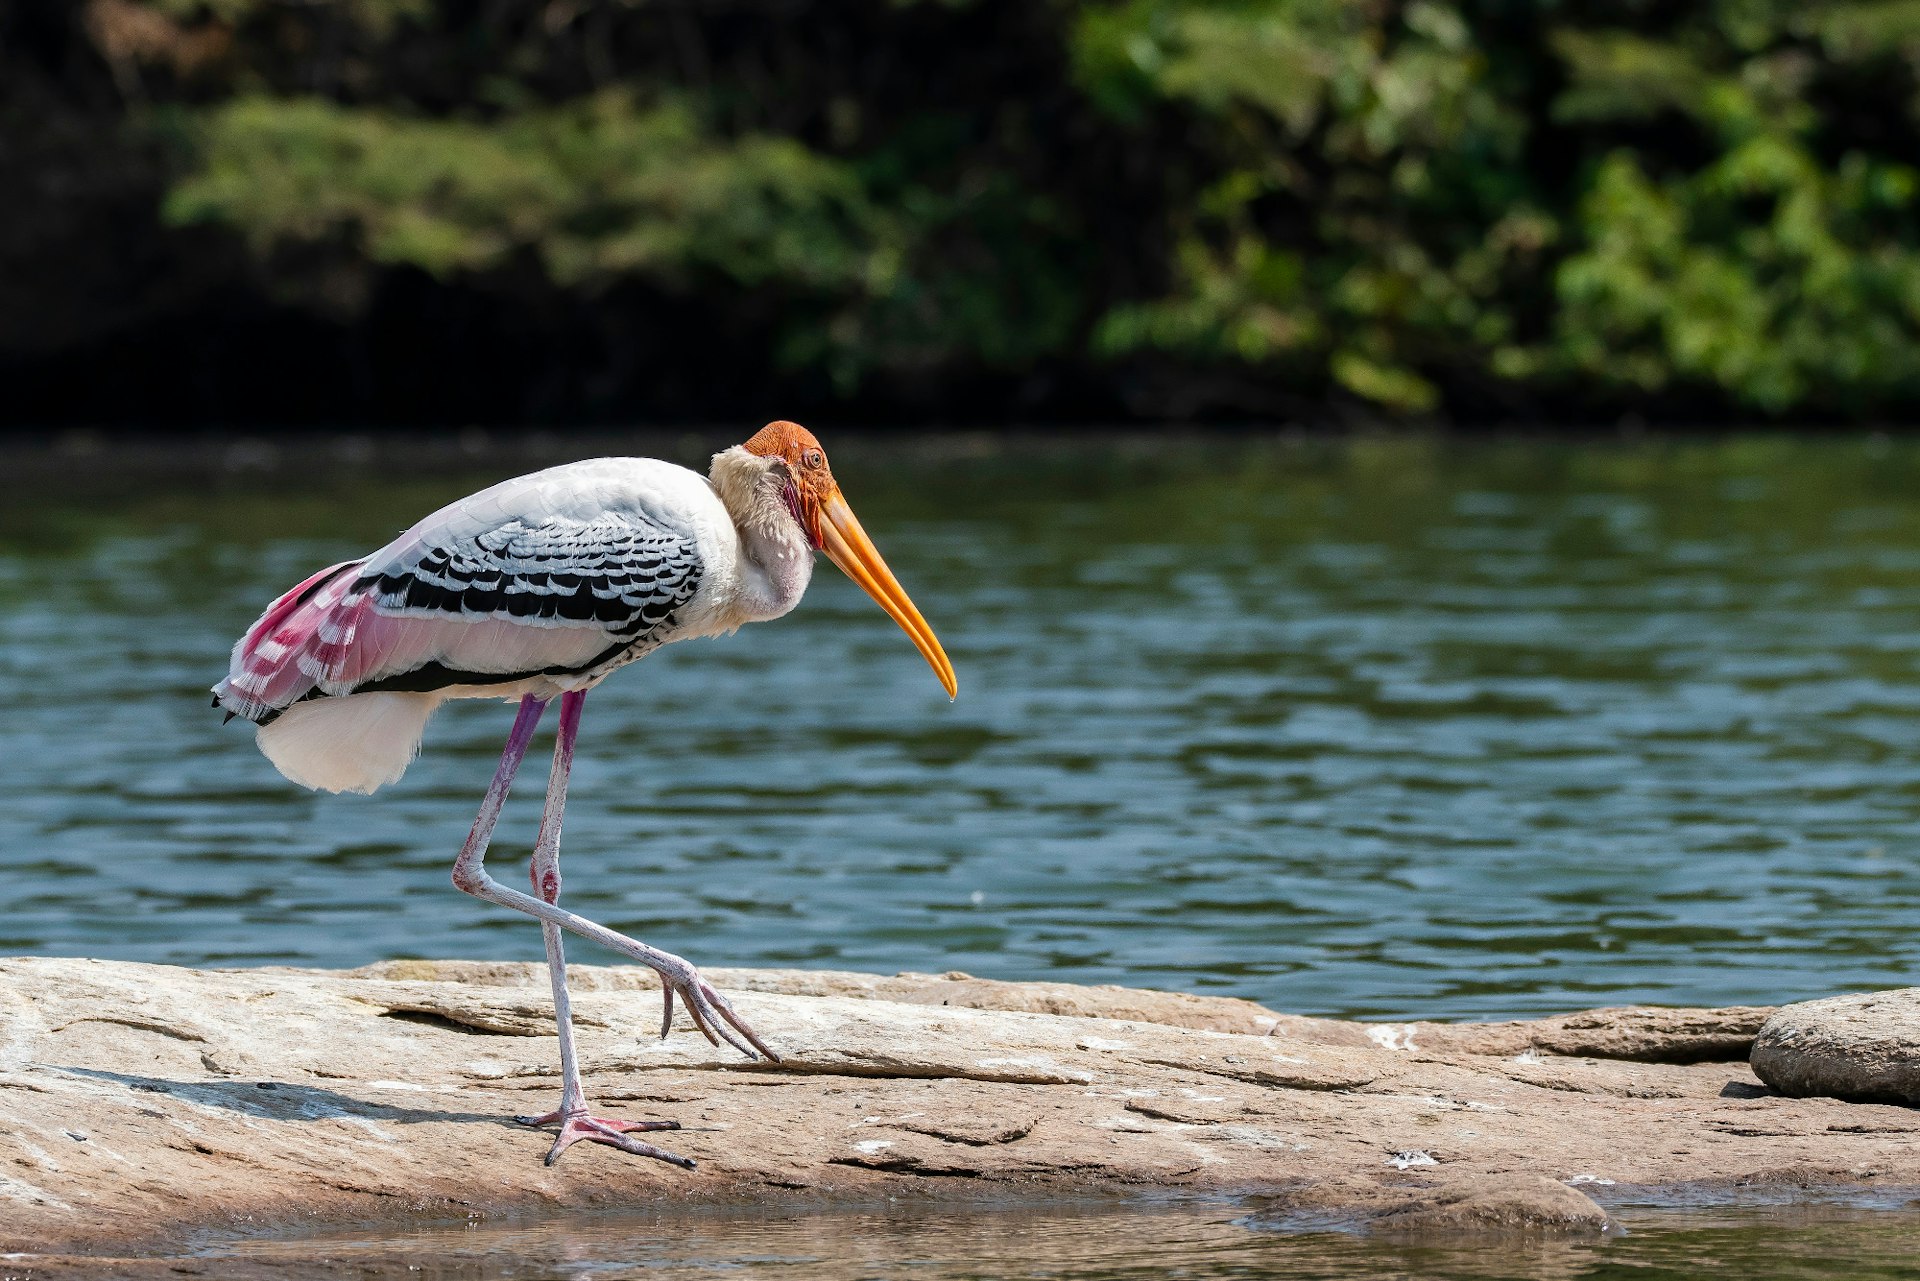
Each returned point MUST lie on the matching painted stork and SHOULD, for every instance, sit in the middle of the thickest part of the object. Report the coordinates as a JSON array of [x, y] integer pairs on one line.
[[538, 589]]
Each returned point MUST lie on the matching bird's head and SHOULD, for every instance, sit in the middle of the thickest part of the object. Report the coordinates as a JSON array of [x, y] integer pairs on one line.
[[814, 498]]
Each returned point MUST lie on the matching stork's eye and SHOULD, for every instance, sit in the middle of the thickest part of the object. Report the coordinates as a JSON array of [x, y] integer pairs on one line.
[[814, 458]]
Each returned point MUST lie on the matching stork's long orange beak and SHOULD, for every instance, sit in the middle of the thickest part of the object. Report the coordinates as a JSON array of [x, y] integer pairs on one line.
[[847, 545]]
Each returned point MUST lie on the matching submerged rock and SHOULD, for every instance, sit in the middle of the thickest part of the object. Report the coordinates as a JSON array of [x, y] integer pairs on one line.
[[142, 1106], [1864, 1047], [1469, 1202]]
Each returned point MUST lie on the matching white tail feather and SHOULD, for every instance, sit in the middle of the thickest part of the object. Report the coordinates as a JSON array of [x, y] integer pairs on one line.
[[352, 744]]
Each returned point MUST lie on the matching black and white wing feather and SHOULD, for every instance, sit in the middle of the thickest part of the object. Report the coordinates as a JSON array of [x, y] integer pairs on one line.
[[566, 574], [614, 572]]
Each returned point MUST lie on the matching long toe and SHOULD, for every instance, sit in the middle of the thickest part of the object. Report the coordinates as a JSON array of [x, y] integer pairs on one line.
[[710, 1013], [614, 1133]]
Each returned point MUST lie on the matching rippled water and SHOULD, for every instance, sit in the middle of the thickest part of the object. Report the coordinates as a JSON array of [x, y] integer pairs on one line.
[[1401, 727], [925, 1243]]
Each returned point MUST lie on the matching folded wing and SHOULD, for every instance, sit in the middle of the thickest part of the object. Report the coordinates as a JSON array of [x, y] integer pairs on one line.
[[523, 580]]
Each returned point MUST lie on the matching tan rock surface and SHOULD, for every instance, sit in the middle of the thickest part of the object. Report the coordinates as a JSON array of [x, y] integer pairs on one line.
[[139, 1103], [1865, 1047], [1639, 1033]]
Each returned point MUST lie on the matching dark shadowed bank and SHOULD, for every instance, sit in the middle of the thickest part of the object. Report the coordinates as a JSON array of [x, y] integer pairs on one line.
[[429, 211]]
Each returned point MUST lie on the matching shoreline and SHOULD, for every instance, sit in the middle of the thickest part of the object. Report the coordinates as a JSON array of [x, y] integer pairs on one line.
[[147, 1108]]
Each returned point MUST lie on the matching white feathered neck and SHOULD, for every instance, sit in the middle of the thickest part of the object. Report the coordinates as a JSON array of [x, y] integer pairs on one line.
[[776, 558]]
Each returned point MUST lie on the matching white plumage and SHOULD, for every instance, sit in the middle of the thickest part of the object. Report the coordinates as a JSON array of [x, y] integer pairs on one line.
[[353, 744], [537, 585]]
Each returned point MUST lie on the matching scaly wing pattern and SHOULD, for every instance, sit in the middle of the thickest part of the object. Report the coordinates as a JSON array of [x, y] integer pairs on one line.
[[497, 588]]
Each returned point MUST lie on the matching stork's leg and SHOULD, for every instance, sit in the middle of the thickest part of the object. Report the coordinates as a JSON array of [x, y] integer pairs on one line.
[[708, 1009], [572, 1116]]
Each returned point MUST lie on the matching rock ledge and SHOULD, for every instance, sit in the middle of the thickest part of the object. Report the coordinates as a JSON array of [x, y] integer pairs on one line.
[[141, 1105]]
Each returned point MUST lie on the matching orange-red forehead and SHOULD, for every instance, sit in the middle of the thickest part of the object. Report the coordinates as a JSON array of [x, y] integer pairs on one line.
[[782, 440]]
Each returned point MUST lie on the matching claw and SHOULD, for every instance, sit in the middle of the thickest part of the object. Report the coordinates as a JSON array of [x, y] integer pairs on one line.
[[712, 1015], [613, 1133]]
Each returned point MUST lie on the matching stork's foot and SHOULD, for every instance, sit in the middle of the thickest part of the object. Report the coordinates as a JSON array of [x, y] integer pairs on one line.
[[709, 1010], [575, 1126]]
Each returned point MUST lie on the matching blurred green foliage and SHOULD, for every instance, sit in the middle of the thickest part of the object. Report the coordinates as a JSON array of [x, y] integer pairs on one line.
[[1718, 228], [1780, 267], [598, 187], [1220, 206]]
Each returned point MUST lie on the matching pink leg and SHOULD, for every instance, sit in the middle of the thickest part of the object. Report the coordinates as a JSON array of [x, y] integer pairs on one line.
[[711, 1013], [709, 1010], [475, 850], [572, 1116]]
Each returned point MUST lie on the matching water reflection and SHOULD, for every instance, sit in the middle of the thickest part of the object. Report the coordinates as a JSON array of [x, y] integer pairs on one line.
[[1398, 728], [1091, 1243]]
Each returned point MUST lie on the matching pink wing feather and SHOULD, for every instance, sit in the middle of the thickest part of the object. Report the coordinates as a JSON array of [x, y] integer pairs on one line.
[[290, 649]]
